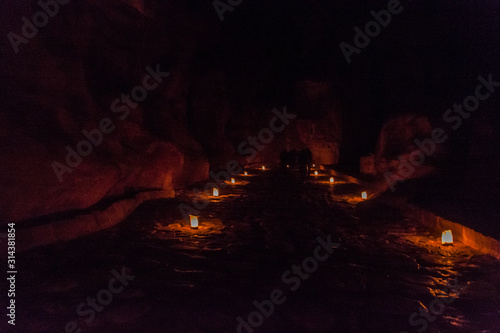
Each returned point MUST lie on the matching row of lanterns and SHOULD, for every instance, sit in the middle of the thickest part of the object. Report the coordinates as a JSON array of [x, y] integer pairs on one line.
[[446, 237], [193, 219], [364, 194]]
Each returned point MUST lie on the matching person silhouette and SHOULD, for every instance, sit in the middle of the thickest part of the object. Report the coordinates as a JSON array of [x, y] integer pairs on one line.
[[293, 157], [304, 164], [308, 158], [284, 158]]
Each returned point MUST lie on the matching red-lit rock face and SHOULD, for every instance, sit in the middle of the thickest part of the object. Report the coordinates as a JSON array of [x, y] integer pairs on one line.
[[64, 81], [397, 141], [322, 131], [222, 86]]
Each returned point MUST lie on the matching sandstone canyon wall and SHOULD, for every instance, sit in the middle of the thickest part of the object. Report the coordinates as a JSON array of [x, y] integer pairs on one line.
[[65, 80]]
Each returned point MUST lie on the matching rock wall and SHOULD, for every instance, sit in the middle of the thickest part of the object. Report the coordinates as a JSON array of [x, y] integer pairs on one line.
[[397, 141], [64, 80], [79, 130], [321, 130]]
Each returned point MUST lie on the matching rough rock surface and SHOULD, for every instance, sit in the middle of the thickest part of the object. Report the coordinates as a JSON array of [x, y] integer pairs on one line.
[[397, 140], [65, 80]]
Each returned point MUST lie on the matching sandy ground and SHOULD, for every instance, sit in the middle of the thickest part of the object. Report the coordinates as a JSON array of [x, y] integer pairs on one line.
[[176, 279]]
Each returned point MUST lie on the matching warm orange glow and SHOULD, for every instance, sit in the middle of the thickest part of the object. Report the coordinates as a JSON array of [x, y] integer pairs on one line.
[[364, 195], [332, 180], [447, 237], [216, 192], [315, 173], [194, 221], [263, 168], [246, 173], [233, 181], [287, 165]]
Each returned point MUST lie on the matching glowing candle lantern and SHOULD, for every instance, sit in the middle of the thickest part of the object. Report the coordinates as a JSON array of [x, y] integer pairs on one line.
[[246, 173], [447, 237], [364, 195], [314, 165], [331, 180], [263, 168], [194, 221], [216, 192], [315, 173], [233, 181]]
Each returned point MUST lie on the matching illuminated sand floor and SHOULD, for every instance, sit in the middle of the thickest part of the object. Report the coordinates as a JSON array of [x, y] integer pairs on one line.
[[201, 280]]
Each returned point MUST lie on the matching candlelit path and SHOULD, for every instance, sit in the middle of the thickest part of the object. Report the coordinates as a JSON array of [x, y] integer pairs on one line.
[[201, 280]]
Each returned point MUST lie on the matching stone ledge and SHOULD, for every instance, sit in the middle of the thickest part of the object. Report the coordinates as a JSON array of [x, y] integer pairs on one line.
[[436, 224], [339, 174], [66, 230], [461, 233]]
